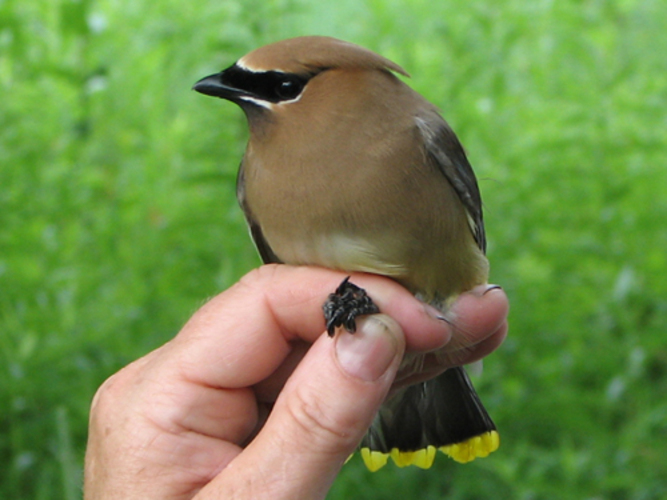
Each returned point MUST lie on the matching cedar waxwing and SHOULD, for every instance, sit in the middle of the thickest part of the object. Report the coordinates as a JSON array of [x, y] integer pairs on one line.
[[348, 168]]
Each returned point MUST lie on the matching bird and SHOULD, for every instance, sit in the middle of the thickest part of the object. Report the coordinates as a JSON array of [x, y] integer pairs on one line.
[[349, 168]]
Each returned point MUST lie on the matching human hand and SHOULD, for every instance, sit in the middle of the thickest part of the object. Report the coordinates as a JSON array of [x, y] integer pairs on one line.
[[251, 400]]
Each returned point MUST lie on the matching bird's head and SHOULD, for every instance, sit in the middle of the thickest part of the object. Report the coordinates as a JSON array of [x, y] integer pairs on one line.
[[276, 76]]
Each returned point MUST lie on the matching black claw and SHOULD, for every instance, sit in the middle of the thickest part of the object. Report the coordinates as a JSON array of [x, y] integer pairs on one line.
[[345, 304]]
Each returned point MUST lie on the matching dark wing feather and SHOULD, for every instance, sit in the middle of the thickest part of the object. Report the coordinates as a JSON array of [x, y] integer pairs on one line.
[[265, 252], [446, 152]]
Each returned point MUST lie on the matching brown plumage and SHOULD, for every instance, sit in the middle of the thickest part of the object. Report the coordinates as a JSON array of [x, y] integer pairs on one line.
[[348, 168]]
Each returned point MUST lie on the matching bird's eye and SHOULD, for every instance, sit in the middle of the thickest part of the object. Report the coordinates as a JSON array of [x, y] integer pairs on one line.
[[289, 89]]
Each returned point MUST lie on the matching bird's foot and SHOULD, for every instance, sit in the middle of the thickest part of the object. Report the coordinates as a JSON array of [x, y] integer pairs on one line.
[[344, 306]]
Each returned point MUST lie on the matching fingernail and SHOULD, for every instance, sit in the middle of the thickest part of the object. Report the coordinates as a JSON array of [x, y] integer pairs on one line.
[[481, 290], [369, 352], [433, 312]]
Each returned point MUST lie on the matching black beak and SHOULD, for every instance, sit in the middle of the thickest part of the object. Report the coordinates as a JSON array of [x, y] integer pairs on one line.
[[212, 85]]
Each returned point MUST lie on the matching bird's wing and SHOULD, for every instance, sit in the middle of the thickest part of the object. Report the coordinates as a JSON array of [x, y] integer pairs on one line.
[[265, 252], [445, 151]]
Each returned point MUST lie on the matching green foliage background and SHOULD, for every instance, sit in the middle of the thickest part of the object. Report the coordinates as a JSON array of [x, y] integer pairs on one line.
[[117, 218]]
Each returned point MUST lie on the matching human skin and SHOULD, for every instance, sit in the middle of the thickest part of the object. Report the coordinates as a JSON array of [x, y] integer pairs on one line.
[[253, 400]]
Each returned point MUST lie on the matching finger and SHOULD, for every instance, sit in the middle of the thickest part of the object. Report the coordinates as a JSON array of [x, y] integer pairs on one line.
[[430, 365], [475, 316], [473, 353], [478, 320], [321, 415], [276, 305], [267, 390]]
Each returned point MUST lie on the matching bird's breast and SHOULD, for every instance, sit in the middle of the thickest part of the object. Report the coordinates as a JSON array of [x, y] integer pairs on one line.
[[358, 194], [400, 225], [342, 251]]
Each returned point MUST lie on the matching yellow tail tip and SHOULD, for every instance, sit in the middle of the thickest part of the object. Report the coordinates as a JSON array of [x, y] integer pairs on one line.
[[421, 458], [476, 447], [374, 460], [466, 451]]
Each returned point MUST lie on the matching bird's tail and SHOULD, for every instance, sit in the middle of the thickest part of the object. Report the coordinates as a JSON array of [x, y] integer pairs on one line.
[[443, 414]]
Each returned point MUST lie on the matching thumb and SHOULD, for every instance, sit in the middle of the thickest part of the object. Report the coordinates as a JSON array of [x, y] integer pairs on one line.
[[323, 412]]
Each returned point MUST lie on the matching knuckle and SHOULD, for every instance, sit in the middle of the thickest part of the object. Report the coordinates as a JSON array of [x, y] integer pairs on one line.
[[258, 277], [114, 390], [105, 398], [321, 425]]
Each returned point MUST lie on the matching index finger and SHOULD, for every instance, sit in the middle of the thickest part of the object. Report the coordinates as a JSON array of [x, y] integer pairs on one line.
[[241, 336]]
